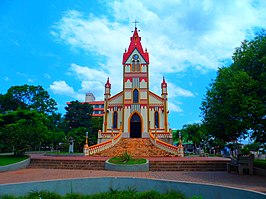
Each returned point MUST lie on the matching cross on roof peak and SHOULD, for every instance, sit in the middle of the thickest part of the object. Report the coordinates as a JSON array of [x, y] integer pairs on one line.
[[135, 22]]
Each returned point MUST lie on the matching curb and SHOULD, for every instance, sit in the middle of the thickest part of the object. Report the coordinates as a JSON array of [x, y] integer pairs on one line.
[[16, 166], [133, 168]]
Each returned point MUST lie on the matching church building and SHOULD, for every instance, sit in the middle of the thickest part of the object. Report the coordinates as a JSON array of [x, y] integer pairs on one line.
[[135, 110]]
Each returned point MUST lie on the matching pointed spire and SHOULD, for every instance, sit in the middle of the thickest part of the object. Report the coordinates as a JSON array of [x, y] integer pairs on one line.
[[164, 84], [108, 85], [135, 43]]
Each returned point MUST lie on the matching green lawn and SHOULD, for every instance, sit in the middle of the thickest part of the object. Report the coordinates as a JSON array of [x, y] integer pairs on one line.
[[113, 194], [117, 160], [10, 159], [260, 163]]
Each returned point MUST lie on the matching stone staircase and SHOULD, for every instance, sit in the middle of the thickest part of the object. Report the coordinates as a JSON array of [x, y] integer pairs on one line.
[[185, 165], [66, 164], [136, 147]]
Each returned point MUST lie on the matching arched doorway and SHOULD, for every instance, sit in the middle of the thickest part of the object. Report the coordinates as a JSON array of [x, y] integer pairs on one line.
[[135, 126]]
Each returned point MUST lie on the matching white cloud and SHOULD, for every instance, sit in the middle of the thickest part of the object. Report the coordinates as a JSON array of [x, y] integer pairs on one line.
[[61, 87], [47, 76], [179, 35], [173, 107]]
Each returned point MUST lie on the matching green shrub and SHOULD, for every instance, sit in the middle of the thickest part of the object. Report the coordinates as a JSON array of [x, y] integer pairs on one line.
[[112, 194], [125, 157]]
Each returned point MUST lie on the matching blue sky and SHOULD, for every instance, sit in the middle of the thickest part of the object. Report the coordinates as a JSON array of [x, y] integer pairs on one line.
[[71, 47]]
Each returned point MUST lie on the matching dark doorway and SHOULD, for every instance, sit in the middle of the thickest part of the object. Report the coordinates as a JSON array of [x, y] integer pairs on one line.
[[135, 126]]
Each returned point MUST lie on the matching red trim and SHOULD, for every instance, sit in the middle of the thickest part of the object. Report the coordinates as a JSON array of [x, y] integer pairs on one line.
[[128, 78], [135, 44], [98, 109], [97, 115], [96, 102], [139, 74]]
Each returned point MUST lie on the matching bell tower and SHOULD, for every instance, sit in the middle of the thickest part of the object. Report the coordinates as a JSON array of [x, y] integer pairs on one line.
[[165, 105], [107, 95], [135, 85]]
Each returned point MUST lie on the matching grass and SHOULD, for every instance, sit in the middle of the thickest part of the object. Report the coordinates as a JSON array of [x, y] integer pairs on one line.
[[118, 160], [260, 163], [112, 194], [10, 159]]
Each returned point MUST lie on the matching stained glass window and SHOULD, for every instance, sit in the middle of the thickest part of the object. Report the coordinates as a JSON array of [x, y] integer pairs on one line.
[[156, 119], [115, 120], [135, 96]]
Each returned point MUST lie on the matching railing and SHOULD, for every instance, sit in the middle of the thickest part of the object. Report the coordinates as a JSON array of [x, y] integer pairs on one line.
[[103, 146], [162, 135], [167, 147]]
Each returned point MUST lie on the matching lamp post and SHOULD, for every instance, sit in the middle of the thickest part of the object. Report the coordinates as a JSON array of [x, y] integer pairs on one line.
[[86, 143], [180, 135], [180, 147], [86, 146]]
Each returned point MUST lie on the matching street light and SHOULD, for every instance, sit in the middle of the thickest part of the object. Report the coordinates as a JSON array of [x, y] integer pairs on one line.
[[86, 143]]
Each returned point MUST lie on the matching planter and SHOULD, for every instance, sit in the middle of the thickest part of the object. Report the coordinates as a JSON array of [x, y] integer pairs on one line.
[[127, 167], [16, 166]]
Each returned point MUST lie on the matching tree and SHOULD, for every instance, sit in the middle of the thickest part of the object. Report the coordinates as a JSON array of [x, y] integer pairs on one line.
[[21, 130], [78, 115], [8, 103], [55, 134], [32, 98], [235, 103], [193, 132], [97, 123]]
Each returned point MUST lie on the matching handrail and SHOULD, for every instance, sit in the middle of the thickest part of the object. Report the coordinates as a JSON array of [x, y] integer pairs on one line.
[[162, 134], [103, 146], [167, 147]]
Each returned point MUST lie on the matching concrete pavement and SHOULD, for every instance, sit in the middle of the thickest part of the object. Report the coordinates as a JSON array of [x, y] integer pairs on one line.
[[255, 183]]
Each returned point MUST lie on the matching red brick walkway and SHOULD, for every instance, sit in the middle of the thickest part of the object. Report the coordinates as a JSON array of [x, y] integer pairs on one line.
[[256, 183], [41, 156]]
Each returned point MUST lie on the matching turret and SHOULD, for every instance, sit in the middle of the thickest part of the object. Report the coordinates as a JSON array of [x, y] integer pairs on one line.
[[107, 92], [165, 110], [164, 88]]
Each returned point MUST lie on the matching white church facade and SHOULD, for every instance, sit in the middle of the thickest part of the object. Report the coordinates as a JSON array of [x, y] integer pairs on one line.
[[135, 110]]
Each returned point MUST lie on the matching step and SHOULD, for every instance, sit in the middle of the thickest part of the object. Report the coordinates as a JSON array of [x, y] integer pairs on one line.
[[188, 166], [67, 164], [135, 147]]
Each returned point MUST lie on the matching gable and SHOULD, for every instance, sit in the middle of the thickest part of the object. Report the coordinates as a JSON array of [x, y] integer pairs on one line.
[[135, 51], [116, 99], [155, 99]]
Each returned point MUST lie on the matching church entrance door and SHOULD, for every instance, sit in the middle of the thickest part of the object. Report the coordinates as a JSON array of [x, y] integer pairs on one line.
[[135, 126]]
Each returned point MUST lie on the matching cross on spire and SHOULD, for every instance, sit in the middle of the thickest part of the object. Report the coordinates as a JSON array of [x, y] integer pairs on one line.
[[135, 22]]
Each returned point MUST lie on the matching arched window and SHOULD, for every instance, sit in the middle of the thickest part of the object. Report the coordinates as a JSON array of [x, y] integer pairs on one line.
[[156, 119], [135, 63], [135, 96], [115, 120], [137, 67]]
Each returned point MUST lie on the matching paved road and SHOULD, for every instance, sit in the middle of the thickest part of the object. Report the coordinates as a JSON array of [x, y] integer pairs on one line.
[[256, 183]]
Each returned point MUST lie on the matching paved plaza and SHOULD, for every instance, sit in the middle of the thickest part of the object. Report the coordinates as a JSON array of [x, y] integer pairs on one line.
[[255, 183]]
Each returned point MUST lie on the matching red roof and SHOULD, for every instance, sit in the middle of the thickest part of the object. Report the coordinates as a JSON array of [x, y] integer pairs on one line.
[[97, 102], [135, 44]]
